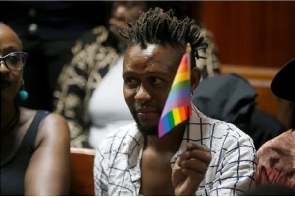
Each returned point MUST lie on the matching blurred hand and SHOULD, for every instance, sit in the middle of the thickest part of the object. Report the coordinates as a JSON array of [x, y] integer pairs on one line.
[[190, 169]]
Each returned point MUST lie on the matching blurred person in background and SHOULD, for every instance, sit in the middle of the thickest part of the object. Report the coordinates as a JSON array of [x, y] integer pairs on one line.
[[48, 30], [276, 158], [286, 113], [89, 91]]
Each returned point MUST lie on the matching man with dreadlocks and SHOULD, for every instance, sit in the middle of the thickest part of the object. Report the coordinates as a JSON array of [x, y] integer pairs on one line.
[[217, 159]]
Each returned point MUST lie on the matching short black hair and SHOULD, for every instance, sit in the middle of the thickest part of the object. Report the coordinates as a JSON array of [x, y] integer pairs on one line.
[[159, 27]]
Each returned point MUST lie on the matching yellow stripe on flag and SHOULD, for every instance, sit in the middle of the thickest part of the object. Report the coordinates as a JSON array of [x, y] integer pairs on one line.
[[181, 77], [176, 116]]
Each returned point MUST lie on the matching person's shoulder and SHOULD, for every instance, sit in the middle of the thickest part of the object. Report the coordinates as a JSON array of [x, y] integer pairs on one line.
[[229, 132], [98, 35], [94, 32], [54, 125], [215, 126], [53, 117], [282, 141]]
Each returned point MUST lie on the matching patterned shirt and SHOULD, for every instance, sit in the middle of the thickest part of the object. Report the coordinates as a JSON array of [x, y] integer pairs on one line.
[[231, 170]]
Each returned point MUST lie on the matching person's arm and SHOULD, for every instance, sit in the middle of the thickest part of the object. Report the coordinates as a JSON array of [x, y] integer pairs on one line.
[[235, 173], [48, 172]]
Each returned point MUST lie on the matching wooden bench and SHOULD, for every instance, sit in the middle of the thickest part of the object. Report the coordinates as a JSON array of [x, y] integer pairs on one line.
[[82, 183]]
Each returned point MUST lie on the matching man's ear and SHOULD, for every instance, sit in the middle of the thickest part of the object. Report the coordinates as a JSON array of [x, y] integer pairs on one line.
[[195, 78]]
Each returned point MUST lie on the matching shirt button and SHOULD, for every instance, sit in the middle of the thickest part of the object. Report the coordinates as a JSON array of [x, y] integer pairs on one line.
[[33, 28]]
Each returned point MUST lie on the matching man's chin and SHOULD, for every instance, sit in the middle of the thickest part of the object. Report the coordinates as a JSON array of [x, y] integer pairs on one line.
[[148, 130]]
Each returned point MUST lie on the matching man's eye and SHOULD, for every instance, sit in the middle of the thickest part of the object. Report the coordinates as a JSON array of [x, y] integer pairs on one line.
[[155, 80], [130, 81]]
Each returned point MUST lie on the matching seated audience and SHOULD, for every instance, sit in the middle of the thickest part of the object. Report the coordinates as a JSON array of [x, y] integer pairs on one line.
[[276, 157], [200, 156], [232, 98], [35, 144], [89, 92]]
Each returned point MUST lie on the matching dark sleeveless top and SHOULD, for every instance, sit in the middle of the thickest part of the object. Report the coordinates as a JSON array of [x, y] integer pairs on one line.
[[13, 172]]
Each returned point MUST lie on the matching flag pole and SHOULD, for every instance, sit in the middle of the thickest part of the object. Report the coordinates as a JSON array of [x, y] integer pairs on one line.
[[188, 51]]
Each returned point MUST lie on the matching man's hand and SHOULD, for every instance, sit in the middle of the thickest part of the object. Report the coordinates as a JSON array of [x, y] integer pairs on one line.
[[190, 169]]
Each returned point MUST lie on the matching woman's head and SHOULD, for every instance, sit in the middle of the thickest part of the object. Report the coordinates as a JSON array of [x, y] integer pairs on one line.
[[11, 64], [124, 12]]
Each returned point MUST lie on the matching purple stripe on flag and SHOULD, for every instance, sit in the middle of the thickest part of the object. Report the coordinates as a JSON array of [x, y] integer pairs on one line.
[[161, 131], [178, 94]]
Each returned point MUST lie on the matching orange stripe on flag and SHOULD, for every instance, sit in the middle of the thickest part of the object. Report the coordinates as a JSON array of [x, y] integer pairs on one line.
[[182, 113]]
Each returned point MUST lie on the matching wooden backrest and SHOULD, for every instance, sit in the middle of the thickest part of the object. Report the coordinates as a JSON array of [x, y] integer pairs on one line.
[[82, 183], [260, 78]]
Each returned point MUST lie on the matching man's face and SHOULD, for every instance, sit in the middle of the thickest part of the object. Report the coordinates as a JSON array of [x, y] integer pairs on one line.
[[148, 75]]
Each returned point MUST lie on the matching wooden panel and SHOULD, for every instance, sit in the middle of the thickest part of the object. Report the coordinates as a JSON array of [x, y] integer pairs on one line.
[[82, 183], [260, 79], [252, 33]]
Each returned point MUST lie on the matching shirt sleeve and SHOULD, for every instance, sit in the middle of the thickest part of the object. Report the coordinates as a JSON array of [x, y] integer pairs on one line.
[[235, 173]]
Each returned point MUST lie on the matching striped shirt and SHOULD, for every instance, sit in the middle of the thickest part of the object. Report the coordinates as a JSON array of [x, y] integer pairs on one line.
[[231, 170]]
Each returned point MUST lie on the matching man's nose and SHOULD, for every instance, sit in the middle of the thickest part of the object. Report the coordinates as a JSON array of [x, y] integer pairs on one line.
[[142, 94]]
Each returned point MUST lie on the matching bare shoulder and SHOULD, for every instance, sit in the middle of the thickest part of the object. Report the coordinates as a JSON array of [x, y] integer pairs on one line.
[[55, 119], [53, 129], [55, 123]]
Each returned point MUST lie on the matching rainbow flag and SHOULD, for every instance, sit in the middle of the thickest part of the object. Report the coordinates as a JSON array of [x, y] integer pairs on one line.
[[178, 104]]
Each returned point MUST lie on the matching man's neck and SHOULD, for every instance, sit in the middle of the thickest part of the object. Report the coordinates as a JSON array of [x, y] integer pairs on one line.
[[169, 142]]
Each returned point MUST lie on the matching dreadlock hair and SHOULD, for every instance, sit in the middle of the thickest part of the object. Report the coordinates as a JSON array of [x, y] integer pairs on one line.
[[159, 27]]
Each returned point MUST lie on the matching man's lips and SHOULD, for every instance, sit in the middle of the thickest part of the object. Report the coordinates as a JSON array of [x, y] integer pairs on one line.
[[146, 113]]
